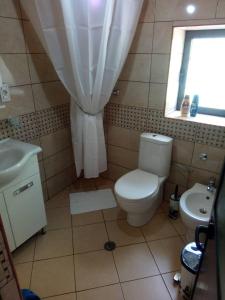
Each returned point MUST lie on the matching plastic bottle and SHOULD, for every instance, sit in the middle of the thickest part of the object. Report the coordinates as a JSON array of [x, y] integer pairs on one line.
[[194, 106], [185, 106]]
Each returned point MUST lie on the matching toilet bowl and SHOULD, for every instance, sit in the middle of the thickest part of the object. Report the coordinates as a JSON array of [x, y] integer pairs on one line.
[[139, 192], [195, 208]]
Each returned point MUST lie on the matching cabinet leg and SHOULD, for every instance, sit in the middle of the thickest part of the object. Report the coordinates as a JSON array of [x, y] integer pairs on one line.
[[43, 230]]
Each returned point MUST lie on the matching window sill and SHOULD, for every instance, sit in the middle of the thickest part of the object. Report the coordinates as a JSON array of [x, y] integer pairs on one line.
[[203, 119]]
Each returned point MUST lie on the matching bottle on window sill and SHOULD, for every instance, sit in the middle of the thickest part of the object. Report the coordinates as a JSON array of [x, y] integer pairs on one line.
[[185, 106], [194, 106]]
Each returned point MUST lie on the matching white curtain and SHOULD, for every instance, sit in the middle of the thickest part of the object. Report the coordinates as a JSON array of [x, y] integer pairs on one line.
[[87, 42]]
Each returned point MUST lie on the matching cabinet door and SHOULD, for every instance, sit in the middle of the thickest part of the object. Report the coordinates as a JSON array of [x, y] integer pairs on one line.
[[6, 223], [26, 209]]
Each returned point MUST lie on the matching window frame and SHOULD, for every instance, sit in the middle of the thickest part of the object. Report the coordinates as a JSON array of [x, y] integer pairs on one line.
[[189, 36]]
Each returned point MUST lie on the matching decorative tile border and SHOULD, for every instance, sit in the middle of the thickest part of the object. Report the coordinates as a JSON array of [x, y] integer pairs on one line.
[[211, 135], [146, 119], [126, 116], [36, 124], [40, 123]]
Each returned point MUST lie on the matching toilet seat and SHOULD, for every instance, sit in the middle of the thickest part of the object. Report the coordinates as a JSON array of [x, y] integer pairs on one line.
[[137, 185]]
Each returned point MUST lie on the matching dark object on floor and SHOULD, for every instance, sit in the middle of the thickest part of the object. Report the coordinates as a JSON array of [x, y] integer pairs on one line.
[[174, 204], [29, 295], [173, 215], [110, 246]]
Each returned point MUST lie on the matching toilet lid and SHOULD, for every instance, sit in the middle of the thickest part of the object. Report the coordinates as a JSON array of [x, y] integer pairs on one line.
[[137, 184]]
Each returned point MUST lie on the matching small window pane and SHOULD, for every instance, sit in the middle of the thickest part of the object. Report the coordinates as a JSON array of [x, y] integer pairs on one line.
[[206, 72]]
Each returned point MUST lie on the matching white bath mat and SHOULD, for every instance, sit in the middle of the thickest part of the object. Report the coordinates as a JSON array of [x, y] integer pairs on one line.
[[90, 201]]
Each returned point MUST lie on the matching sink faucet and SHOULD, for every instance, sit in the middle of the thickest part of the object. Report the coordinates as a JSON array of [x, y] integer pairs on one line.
[[211, 185]]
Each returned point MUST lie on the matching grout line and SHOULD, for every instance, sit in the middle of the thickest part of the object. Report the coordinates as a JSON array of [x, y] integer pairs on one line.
[[166, 287], [12, 18], [114, 259], [121, 147], [59, 295], [32, 267], [153, 257], [150, 73], [217, 6], [60, 172], [107, 285], [52, 155], [74, 267], [146, 82], [119, 283]]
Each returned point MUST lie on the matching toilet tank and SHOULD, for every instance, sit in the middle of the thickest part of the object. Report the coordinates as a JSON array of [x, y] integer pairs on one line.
[[155, 153]]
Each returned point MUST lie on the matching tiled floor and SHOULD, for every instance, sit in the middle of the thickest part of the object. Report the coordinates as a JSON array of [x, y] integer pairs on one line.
[[70, 263]]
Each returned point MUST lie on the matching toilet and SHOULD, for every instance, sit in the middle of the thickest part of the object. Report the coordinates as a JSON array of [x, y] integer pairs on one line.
[[139, 192]]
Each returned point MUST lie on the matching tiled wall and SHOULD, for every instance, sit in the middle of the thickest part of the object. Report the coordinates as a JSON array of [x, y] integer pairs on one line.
[[39, 100], [143, 85]]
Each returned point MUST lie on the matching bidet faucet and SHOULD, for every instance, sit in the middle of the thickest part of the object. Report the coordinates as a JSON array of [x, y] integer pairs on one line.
[[211, 185]]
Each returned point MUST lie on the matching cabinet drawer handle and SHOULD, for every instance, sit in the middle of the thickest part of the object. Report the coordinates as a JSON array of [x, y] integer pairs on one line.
[[23, 188]]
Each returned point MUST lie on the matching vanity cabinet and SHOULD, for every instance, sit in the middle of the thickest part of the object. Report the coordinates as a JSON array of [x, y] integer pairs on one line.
[[22, 205], [6, 222]]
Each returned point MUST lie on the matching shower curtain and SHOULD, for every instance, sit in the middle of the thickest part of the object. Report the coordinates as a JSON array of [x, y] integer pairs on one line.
[[87, 42]]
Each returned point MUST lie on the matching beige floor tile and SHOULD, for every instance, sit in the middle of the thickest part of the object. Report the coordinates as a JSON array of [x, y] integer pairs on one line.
[[71, 296], [89, 237], [134, 262], [25, 252], [54, 243], [58, 218], [87, 218], [171, 286], [82, 189], [103, 183], [94, 269], [184, 239], [115, 213], [158, 228], [112, 292], [165, 206], [167, 253], [60, 200], [23, 272], [159, 210], [179, 226], [53, 276], [83, 185], [123, 234], [152, 288]]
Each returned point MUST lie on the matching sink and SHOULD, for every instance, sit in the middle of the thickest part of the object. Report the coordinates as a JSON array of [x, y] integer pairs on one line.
[[196, 207], [13, 157]]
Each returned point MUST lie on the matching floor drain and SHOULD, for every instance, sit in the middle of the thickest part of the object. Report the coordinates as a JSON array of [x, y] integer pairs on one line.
[[203, 211], [110, 246]]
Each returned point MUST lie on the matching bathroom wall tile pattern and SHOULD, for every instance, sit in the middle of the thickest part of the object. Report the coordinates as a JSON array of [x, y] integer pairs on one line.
[[211, 135], [36, 124], [26, 131], [126, 116], [146, 119], [53, 118]]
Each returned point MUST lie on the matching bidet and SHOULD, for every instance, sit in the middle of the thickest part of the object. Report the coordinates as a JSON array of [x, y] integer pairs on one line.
[[196, 207]]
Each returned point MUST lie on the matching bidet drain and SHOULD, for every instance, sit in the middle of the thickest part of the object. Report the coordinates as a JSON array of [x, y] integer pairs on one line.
[[203, 211]]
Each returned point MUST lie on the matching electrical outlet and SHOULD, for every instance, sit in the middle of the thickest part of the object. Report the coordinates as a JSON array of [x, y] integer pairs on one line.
[[5, 93]]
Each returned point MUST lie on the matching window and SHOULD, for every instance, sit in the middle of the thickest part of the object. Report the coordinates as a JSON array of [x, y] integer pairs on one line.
[[203, 70]]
